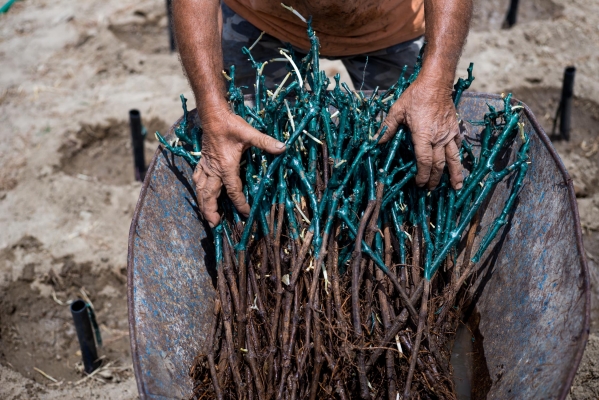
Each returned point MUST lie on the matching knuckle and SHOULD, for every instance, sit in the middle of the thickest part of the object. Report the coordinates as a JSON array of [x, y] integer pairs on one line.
[[454, 157], [453, 154], [233, 189], [236, 197], [425, 160], [265, 141]]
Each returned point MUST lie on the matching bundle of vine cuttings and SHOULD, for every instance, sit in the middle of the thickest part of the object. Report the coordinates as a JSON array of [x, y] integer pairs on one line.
[[344, 279]]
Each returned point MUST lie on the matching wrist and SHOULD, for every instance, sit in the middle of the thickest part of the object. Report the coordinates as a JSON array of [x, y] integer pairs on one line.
[[212, 110], [436, 81], [441, 88], [438, 73]]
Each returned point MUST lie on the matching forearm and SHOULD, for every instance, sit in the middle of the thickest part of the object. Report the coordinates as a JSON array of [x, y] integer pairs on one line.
[[198, 35], [447, 24]]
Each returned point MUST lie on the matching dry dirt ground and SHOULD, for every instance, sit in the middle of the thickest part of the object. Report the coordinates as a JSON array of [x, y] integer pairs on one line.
[[70, 71]]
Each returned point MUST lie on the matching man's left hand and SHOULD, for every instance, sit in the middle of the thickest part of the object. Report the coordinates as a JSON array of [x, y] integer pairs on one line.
[[427, 109]]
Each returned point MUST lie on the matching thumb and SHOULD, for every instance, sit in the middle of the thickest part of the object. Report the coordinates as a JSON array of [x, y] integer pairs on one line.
[[393, 120], [262, 141]]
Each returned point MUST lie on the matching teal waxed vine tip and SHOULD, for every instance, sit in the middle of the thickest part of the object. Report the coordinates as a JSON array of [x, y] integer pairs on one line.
[[4, 9], [343, 123], [94, 323], [218, 243]]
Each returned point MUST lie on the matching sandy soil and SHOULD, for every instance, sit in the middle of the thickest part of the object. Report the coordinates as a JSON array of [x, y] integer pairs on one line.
[[70, 73]]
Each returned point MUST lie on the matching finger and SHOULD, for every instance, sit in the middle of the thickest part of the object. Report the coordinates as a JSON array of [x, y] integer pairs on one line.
[[437, 167], [458, 140], [262, 141], [197, 172], [424, 159], [234, 189], [452, 155], [208, 191], [392, 122], [199, 178]]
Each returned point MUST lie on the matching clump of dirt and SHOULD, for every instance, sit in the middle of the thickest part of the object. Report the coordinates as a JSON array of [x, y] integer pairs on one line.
[[104, 151], [9, 172], [36, 327], [586, 382], [144, 29], [490, 15]]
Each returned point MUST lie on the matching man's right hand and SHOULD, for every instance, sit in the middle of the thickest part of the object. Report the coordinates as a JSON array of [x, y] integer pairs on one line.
[[225, 137]]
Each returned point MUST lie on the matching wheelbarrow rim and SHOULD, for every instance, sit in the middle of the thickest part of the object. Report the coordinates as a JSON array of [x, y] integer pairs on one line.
[[571, 198]]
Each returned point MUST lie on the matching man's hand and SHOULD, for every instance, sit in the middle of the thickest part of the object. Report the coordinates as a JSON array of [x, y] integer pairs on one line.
[[426, 107], [225, 137], [428, 110]]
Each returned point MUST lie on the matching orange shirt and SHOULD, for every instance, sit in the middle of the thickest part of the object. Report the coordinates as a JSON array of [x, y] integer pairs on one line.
[[344, 27]]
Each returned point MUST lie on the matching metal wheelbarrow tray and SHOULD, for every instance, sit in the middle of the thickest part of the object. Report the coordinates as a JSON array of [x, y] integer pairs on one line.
[[531, 296]]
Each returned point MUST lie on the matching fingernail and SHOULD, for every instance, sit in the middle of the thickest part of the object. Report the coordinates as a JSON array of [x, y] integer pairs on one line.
[[280, 145], [458, 186], [210, 224]]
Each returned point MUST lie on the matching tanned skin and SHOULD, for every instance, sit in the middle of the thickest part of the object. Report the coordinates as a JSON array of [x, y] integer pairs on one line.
[[426, 107]]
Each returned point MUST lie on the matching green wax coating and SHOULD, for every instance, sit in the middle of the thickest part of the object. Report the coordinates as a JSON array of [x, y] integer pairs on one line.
[[227, 232], [488, 165], [394, 145], [394, 191], [180, 151], [256, 118], [426, 236], [502, 218], [341, 136], [218, 243], [271, 180], [462, 85], [370, 180], [378, 242], [397, 170], [449, 221], [263, 219], [326, 123], [267, 180], [289, 206], [296, 166], [397, 216], [440, 220], [456, 234]]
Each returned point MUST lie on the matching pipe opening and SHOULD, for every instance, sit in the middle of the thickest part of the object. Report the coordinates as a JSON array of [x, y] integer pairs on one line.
[[78, 306]]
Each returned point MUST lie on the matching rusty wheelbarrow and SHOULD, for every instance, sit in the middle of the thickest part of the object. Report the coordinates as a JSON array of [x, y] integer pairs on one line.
[[531, 299]]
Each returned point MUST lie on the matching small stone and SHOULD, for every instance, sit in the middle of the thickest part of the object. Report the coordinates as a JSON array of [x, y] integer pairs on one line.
[[28, 273], [105, 374]]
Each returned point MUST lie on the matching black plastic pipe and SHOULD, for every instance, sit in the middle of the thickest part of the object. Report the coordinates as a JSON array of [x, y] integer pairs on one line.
[[565, 117], [137, 141], [85, 334], [512, 14], [171, 32]]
